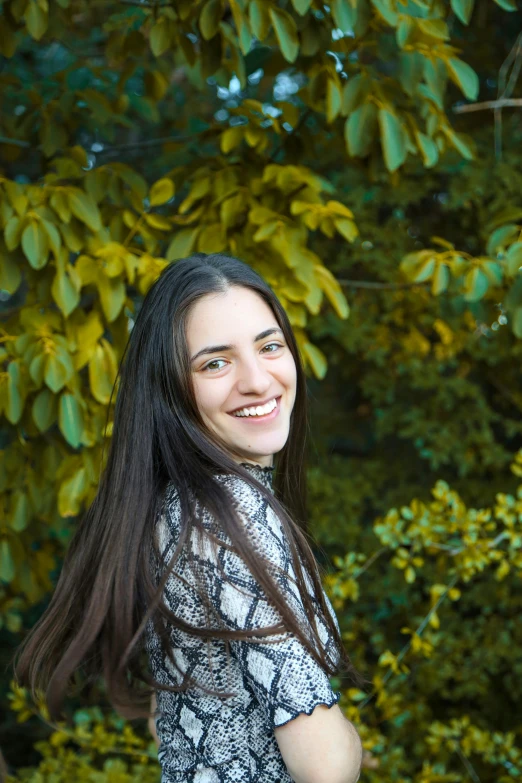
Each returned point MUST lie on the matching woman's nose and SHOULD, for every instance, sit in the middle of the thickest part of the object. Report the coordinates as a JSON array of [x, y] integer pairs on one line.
[[253, 376]]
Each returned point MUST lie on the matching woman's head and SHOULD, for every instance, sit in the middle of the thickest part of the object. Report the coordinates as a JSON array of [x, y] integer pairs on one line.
[[211, 338], [240, 361]]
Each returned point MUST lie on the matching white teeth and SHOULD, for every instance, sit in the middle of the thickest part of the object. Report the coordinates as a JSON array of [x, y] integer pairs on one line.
[[260, 410]]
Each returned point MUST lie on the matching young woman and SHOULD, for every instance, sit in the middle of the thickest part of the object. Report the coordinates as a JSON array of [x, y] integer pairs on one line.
[[190, 572]]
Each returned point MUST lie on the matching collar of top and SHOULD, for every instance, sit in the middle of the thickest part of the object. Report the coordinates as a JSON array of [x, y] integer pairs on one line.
[[264, 474]]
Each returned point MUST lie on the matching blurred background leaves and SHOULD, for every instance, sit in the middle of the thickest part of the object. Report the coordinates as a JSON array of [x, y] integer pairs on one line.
[[364, 157]]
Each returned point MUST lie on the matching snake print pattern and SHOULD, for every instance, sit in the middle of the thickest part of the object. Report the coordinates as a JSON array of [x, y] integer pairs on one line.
[[210, 739]]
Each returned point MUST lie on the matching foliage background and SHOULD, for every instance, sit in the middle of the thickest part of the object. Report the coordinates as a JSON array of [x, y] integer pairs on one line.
[[333, 148]]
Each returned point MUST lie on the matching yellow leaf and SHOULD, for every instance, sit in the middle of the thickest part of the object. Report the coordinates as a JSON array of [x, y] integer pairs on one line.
[[71, 493], [333, 291], [212, 239], [231, 138], [35, 19], [159, 222], [182, 243], [86, 336], [103, 369], [161, 192], [159, 37], [347, 228], [316, 359], [112, 296], [84, 207]]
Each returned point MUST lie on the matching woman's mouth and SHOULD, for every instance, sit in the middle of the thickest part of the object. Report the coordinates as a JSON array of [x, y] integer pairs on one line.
[[259, 418]]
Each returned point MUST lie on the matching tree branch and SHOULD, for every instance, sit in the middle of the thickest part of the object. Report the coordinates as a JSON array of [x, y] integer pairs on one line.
[[381, 286], [15, 142], [501, 103], [151, 143], [144, 5]]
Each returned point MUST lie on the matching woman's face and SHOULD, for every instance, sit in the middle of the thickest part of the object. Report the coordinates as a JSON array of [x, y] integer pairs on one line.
[[240, 360]]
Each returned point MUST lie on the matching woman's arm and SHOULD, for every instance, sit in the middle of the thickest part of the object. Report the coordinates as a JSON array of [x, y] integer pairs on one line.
[[323, 747], [151, 722]]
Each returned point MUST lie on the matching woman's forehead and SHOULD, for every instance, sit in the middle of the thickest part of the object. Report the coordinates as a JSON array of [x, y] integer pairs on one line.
[[236, 313]]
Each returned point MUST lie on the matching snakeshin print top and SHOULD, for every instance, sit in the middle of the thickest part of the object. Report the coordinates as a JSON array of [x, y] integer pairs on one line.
[[209, 739]]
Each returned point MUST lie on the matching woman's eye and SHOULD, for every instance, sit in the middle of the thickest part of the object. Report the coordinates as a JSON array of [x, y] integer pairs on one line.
[[209, 365], [277, 345]]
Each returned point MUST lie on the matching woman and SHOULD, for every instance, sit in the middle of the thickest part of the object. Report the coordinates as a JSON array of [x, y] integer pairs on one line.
[[189, 572]]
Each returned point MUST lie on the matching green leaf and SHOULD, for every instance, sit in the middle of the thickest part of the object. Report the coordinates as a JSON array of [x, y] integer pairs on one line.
[[56, 373], [35, 19], [513, 260], [83, 206], [37, 368], [44, 410], [493, 271], [10, 274], [316, 359], [19, 512], [354, 92], [35, 244], [516, 322], [159, 38], [458, 140], [393, 139], [161, 192], [475, 284], [209, 19], [404, 31], [463, 9], [464, 77], [344, 14], [359, 130], [302, 6], [64, 293], [411, 69], [7, 566], [428, 149], [259, 19], [15, 404], [440, 279], [70, 419], [424, 270], [333, 100], [13, 232], [501, 237], [507, 5], [387, 10], [286, 33]]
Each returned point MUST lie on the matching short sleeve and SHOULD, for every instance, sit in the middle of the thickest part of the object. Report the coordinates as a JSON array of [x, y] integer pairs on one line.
[[283, 675]]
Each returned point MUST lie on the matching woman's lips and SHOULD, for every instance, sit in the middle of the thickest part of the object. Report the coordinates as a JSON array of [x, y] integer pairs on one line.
[[260, 419]]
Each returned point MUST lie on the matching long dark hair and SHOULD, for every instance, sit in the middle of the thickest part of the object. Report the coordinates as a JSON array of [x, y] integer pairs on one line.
[[106, 593]]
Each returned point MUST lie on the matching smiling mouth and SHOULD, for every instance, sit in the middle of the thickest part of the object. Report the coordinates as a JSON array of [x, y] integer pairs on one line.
[[271, 415]]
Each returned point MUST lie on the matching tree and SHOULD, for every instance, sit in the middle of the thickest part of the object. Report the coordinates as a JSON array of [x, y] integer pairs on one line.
[[310, 140]]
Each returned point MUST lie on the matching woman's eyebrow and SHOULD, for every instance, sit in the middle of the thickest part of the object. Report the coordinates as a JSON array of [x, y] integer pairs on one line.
[[218, 348]]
